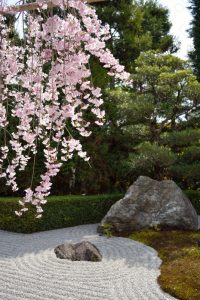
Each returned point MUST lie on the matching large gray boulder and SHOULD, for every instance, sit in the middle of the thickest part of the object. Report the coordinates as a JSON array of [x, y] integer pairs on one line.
[[150, 203], [85, 251]]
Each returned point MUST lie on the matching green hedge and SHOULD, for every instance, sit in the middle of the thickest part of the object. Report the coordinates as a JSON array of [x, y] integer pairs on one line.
[[59, 212], [194, 197], [65, 211]]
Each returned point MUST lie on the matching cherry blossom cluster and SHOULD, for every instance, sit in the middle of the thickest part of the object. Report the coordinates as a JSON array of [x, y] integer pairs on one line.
[[46, 90]]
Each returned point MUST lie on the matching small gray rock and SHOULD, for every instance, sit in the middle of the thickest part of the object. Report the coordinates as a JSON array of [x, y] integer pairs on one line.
[[85, 251], [65, 251], [149, 203]]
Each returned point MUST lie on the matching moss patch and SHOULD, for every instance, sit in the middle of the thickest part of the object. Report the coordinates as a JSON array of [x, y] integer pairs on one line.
[[180, 269]]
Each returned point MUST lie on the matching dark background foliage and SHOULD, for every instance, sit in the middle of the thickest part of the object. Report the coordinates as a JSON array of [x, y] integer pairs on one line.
[[151, 128]]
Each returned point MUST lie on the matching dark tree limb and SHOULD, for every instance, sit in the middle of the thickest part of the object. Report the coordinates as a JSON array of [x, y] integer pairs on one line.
[[33, 6]]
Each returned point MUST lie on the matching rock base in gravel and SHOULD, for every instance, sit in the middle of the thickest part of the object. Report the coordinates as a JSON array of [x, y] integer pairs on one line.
[[84, 251]]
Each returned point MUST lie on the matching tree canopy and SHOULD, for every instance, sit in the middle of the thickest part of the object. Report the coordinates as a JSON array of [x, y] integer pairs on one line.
[[194, 34], [151, 127], [136, 26]]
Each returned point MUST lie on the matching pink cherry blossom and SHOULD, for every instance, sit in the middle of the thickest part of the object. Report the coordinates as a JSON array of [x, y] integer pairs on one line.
[[53, 75]]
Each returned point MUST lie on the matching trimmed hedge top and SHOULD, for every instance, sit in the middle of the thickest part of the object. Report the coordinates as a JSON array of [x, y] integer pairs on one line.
[[59, 212]]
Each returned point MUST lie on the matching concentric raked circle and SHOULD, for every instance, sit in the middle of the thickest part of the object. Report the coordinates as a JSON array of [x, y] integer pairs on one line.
[[30, 270]]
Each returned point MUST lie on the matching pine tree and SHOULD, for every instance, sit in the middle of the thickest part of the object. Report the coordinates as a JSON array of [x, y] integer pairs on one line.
[[137, 26], [195, 34], [163, 113]]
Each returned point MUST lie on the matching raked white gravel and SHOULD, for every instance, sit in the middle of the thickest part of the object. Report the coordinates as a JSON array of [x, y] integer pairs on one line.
[[30, 270]]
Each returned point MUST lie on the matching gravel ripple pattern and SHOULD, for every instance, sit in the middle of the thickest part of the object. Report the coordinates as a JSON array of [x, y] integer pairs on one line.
[[30, 270]]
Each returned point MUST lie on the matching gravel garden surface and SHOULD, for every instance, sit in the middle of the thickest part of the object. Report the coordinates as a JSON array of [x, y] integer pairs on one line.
[[29, 268]]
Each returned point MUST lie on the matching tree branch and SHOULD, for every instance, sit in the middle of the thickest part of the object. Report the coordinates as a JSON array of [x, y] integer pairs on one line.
[[33, 6]]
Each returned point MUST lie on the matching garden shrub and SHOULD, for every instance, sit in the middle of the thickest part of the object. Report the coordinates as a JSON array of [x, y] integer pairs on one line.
[[194, 196], [59, 212], [65, 211]]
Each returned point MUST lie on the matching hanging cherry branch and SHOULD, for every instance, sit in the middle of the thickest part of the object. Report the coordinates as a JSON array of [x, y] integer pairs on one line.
[[52, 76], [38, 4]]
